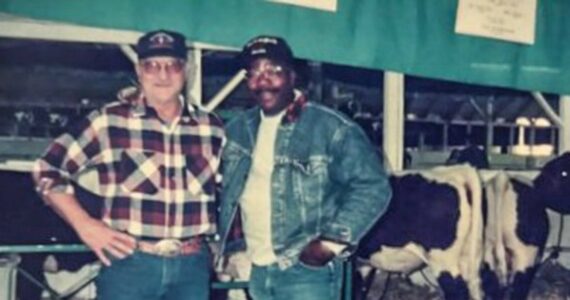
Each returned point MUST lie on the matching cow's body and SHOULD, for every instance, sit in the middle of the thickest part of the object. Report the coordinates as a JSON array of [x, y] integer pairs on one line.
[[517, 226], [434, 218], [515, 234], [430, 223]]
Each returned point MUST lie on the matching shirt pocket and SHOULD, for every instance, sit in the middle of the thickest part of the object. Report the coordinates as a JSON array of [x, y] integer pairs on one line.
[[200, 178], [140, 172], [232, 157], [310, 176]]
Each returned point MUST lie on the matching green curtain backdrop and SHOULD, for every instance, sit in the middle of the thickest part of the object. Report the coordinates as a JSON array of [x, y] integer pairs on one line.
[[415, 37]]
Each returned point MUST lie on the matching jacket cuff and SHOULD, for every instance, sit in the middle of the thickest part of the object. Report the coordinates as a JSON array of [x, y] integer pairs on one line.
[[338, 233], [46, 185], [336, 248]]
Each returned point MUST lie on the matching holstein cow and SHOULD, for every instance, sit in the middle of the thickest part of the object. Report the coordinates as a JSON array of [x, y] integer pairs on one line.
[[517, 226], [434, 219]]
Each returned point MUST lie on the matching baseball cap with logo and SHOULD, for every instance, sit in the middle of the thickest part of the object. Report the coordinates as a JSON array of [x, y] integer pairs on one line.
[[161, 43], [272, 47]]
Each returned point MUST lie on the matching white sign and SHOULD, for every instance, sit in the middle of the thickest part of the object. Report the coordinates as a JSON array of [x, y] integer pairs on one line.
[[329, 5], [511, 20]]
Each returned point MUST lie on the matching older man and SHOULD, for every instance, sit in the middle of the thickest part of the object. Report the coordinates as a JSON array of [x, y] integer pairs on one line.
[[157, 158], [302, 183]]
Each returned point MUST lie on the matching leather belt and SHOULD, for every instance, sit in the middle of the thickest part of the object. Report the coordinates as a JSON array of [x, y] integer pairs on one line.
[[171, 247]]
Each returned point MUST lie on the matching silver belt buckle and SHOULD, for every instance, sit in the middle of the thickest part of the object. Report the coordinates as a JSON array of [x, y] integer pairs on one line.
[[168, 247]]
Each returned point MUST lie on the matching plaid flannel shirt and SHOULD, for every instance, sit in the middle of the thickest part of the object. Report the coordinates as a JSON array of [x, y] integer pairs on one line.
[[157, 180]]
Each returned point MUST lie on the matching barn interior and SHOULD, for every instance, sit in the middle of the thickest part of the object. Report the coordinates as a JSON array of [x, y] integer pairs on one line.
[[47, 84], [47, 81]]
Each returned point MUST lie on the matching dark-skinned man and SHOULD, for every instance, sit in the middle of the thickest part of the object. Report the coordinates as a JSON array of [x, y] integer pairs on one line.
[[302, 183]]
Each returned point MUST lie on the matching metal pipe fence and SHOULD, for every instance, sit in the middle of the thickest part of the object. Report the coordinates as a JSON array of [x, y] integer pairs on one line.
[[73, 290]]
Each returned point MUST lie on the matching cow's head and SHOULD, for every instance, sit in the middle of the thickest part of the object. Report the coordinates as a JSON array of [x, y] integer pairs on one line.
[[553, 183]]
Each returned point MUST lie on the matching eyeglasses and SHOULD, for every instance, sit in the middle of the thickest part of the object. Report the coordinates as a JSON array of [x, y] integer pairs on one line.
[[268, 70], [154, 67]]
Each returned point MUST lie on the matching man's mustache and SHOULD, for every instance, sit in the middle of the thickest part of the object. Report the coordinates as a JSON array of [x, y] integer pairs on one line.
[[258, 92]]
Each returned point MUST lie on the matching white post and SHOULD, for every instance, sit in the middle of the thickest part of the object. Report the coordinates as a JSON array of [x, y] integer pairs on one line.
[[393, 140], [564, 130], [194, 78], [8, 273], [129, 52], [548, 110], [489, 112], [225, 91], [512, 143]]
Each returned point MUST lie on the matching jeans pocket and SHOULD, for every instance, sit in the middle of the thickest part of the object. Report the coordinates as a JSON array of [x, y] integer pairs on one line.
[[116, 260], [328, 267]]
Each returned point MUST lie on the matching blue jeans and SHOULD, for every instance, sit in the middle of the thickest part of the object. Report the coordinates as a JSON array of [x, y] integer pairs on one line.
[[143, 276], [299, 282]]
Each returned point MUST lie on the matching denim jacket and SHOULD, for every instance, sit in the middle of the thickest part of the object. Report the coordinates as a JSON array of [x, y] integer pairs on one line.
[[328, 182]]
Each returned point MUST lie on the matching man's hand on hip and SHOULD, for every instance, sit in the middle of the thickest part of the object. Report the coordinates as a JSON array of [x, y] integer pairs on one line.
[[316, 254], [105, 241]]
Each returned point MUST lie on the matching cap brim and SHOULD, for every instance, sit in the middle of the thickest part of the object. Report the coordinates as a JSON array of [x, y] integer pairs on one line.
[[162, 52], [246, 60]]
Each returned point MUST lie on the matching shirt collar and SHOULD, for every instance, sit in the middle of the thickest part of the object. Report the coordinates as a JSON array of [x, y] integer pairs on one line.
[[295, 108], [135, 98], [279, 115]]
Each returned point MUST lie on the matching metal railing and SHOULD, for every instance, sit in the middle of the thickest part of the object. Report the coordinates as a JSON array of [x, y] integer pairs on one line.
[[75, 248]]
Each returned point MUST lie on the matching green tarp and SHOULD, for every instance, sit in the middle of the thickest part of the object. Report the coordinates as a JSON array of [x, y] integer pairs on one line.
[[415, 37]]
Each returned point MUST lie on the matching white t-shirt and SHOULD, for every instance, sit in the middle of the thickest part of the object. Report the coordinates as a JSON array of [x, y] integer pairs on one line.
[[255, 201]]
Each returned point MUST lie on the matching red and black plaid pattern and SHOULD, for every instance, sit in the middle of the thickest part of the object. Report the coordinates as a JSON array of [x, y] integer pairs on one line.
[[157, 180], [295, 109]]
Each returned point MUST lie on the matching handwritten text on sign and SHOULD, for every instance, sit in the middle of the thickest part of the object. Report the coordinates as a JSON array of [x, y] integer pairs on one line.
[[511, 20]]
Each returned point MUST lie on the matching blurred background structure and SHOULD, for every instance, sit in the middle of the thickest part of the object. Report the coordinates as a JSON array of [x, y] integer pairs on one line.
[[46, 85], [399, 68]]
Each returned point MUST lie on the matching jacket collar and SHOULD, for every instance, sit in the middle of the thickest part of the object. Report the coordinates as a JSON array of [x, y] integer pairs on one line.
[[295, 109], [252, 117], [292, 114]]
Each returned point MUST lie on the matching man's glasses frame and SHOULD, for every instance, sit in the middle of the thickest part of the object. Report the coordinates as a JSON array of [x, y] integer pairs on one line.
[[269, 71], [154, 67]]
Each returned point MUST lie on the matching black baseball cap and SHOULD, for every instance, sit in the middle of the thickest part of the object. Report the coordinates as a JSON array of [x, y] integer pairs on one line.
[[271, 47], [161, 43]]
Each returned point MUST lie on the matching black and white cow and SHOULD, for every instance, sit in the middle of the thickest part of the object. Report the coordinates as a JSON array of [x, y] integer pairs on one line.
[[517, 226], [434, 219]]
